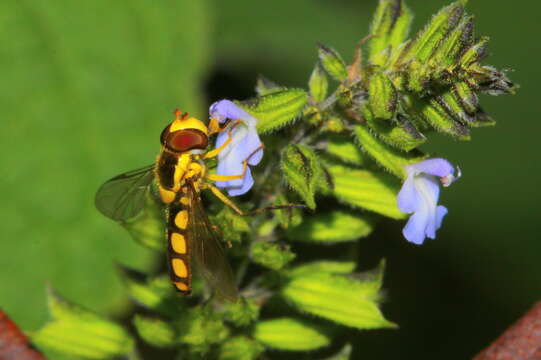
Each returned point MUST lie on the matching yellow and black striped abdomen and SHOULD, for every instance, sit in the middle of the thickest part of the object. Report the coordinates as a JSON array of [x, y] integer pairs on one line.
[[179, 249]]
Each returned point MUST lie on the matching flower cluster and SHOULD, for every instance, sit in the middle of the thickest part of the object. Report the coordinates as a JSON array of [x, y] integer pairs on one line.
[[419, 194]]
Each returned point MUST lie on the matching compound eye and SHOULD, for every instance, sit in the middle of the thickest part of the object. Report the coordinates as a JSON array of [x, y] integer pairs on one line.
[[184, 140], [163, 136]]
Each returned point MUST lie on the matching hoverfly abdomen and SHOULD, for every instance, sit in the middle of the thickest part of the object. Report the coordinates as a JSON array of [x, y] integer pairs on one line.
[[178, 245]]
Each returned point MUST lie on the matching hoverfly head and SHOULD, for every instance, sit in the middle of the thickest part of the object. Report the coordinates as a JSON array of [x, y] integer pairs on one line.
[[185, 133]]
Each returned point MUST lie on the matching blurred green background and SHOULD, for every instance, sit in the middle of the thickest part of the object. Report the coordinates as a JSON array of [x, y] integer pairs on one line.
[[88, 86]]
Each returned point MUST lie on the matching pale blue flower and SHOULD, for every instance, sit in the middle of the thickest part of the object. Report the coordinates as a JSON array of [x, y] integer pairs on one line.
[[244, 146], [419, 195]]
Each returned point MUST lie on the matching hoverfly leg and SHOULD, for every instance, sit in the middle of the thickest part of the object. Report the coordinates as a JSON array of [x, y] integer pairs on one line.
[[235, 208], [219, 149]]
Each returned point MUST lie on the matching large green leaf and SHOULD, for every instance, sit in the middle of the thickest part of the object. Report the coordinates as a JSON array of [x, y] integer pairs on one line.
[[290, 334], [240, 348], [80, 333], [302, 171], [361, 188], [86, 89], [390, 158], [277, 108], [332, 227], [316, 292]]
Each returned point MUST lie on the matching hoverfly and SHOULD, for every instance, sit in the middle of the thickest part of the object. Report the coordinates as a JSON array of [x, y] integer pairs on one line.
[[180, 175]]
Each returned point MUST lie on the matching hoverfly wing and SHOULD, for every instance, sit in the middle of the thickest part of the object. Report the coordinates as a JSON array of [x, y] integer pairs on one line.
[[208, 251], [123, 196]]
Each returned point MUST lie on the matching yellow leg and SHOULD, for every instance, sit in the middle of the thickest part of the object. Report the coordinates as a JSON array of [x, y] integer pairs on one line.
[[214, 127], [220, 195], [215, 177], [218, 150]]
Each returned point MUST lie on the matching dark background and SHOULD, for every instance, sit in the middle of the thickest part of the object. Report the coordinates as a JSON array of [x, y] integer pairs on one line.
[[86, 88]]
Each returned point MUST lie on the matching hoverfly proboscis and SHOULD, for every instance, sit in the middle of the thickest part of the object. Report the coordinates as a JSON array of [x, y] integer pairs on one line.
[[180, 174]]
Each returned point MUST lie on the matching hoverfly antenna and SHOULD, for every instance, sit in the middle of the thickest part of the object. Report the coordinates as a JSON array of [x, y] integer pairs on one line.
[[179, 115]]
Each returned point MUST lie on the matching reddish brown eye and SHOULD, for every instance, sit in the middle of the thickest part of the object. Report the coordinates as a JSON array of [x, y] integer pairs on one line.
[[184, 140]]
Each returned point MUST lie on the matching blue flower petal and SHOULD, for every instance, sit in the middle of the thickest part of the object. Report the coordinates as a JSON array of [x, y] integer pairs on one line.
[[428, 189], [435, 220], [247, 184], [253, 143], [220, 139], [441, 211], [229, 167], [436, 167], [226, 109], [419, 195], [408, 199], [415, 229], [244, 146]]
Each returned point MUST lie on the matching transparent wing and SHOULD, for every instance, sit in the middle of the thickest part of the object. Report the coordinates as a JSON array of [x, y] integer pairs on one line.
[[123, 196], [208, 251]]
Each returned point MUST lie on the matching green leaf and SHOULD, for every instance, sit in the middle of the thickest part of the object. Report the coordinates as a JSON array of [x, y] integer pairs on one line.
[[154, 293], [318, 84], [77, 332], [316, 267], [240, 348], [492, 81], [372, 191], [390, 27], [433, 112], [331, 227], [242, 312], [344, 149], [453, 45], [383, 98], [385, 155], [265, 86], [290, 334], [202, 327], [317, 293], [302, 171], [287, 217], [427, 40], [403, 135], [482, 119], [475, 53], [277, 109], [453, 105], [333, 123], [467, 97], [155, 332], [271, 255], [332, 63], [231, 225], [343, 354]]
